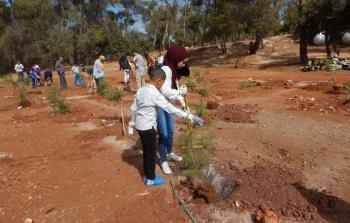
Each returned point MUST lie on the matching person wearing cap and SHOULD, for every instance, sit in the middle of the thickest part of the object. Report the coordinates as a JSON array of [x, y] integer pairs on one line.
[[34, 75], [98, 72], [59, 67]]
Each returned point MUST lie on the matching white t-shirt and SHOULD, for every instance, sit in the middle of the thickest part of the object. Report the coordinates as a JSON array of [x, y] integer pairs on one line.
[[75, 70], [19, 68]]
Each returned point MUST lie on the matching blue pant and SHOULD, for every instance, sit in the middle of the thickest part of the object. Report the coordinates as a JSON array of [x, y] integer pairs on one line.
[[76, 77], [33, 82], [165, 125]]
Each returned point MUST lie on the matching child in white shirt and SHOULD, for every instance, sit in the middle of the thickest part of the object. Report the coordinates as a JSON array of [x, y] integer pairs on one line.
[[144, 118]]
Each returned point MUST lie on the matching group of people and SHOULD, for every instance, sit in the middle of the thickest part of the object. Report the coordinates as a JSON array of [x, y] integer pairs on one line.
[[36, 77], [142, 63], [45, 78], [152, 112]]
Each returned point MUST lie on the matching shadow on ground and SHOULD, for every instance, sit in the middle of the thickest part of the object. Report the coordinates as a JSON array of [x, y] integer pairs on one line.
[[133, 156], [331, 208]]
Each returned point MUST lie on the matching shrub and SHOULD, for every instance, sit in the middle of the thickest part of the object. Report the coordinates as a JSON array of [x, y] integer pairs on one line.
[[200, 110], [347, 90], [57, 100], [203, 92], [19, 88], [102, 87], [114, 94], [247, 84], [190, 84], [196, 151]]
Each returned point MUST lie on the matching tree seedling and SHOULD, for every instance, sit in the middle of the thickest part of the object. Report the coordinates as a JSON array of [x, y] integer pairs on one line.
[[57, 100]]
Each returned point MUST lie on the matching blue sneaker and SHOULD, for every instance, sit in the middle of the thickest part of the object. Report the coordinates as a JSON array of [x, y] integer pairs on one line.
[[156, 181]]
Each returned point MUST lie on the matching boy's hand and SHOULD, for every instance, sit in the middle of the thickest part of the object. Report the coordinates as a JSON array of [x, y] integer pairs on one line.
[[131, 128]]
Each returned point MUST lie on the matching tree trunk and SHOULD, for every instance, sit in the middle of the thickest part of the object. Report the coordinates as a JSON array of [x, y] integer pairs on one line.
[[255, 46], [302, 35], [165, 34], [328, 49], [185, 21], [155, 34], [334, 44]]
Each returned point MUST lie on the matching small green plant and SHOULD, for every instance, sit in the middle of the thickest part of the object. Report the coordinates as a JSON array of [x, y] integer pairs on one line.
[[102, 87], [200, 110], [26, 81], [57, 100], [196, 151], [114, 94], [19, 88], [190, 84], [346, 86], [203, 92], [247, 84], [329, 64]]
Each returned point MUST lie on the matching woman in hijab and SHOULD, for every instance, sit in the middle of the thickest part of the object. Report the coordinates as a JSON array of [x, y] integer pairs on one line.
[[175, 66]]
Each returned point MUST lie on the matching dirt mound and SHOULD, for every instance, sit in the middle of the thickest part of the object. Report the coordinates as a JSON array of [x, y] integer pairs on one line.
[[270, 184], [322, 86], [234, 113]]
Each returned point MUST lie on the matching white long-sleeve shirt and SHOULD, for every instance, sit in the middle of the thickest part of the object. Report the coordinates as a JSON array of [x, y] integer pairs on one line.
[[19, 68], [168, 92], [144, 109], [98, 71]]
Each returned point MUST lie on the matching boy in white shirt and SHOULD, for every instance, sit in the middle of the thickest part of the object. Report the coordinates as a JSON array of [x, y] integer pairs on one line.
[[19, 70], [144, 118], [76, 76]]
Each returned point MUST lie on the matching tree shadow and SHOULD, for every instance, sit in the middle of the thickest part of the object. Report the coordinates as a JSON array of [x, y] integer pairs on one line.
[[133, 156], [329, 207]]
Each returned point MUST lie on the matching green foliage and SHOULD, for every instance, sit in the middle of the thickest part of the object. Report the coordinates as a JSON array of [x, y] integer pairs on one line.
[[196, 150], [246, 84], [346, 86], [190, 84], [57, 100], [102, 87], [114, 94], [19, 88], [203, 92], [200, 110]]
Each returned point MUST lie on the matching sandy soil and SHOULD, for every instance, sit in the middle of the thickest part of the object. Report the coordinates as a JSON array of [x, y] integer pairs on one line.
[[79, 168]]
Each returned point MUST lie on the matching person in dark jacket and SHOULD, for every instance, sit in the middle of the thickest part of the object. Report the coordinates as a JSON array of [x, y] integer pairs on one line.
[[60, 70], [126, 68], [48, 77]]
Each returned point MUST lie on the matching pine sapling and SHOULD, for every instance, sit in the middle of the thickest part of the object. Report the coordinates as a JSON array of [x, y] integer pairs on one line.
[[57, 100]]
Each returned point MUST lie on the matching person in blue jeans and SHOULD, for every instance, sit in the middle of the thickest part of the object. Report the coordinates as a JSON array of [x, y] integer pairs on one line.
[[175, 66], [76, 76]]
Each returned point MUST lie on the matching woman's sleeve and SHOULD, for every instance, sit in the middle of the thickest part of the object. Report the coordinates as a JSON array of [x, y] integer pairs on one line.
[[167, 91]]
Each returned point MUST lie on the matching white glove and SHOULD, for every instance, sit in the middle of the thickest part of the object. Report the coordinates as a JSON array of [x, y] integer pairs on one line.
[[196, 120], [131, 128], [183, 90]]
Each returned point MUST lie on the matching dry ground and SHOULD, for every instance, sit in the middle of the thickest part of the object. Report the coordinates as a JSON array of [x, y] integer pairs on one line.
[[78, 167]]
